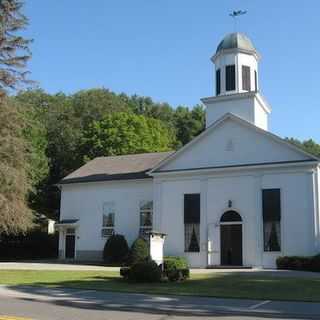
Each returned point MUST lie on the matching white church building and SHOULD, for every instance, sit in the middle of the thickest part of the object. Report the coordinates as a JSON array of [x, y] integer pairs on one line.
[[237, 195]]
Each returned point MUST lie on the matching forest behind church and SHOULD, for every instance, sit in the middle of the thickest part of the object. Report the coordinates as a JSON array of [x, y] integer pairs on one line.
[[66, 131]]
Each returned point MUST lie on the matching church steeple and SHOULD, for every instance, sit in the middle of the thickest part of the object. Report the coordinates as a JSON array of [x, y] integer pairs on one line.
[[237, 87], [236, 65]]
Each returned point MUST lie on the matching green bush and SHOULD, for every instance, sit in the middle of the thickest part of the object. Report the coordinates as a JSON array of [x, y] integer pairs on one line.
[[116, 250], [176, 268], [139, 251], [124, 272], [145, 271], [299, 263], [172, 262], [178, 275]]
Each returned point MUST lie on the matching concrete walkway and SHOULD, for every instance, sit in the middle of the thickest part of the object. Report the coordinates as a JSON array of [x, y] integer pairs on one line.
[[88, 300]]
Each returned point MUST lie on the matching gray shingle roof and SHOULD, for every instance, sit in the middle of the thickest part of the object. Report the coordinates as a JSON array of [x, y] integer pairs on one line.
[[126, 167]]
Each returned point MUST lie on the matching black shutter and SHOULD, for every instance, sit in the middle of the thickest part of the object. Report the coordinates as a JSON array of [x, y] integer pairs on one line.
[[246, 83], [271, 205], [218, 82], [230, 78], [192, 208]]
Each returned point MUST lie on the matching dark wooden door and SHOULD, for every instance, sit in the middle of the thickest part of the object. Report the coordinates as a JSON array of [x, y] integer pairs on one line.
[[231, 244], [70, 246]]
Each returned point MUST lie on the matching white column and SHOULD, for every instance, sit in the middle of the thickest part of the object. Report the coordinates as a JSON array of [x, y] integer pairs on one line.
[[203, 218], [317, 208], [313, 209]]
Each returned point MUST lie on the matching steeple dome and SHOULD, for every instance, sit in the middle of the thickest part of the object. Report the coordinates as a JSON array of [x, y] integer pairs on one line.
[[237, 41]]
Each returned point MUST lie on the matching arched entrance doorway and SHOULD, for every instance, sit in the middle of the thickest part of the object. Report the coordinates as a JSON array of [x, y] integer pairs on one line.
[[231, 238]]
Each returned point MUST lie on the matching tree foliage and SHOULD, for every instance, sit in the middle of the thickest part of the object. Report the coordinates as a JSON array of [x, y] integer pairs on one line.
[[14, 49], [15, 153], [309, 146], [14, 183], [126, 133]]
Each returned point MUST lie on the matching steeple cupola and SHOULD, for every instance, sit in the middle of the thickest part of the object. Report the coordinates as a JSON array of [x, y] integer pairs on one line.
[[237, 86], [236, 65]]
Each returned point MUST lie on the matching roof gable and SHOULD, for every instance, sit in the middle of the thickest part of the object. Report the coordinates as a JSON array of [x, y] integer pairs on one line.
[[232, 141]]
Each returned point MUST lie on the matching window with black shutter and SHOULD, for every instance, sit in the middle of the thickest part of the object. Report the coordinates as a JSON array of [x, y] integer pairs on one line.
[[230, 78], [271, 211], [246, 83], [192, 222], [218, 82]]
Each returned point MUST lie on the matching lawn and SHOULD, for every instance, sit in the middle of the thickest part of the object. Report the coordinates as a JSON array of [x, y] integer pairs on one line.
[[251, 286]]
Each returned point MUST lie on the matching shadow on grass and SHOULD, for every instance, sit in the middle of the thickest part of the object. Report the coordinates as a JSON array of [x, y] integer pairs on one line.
[[175, 298]]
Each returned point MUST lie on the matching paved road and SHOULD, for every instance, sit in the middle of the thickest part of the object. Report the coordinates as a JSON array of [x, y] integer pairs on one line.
[[40, 310], [68, 304]]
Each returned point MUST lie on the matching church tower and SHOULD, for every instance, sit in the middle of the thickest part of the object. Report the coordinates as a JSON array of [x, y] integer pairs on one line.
[[237, 83]]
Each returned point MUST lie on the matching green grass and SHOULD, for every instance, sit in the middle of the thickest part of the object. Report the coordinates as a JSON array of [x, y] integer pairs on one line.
[[251, 286]]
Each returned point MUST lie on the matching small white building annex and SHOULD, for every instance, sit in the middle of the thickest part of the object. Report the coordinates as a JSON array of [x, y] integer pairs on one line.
[[235, 195]]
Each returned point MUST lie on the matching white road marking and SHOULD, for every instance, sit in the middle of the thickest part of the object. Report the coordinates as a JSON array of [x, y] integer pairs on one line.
[[257, 305]]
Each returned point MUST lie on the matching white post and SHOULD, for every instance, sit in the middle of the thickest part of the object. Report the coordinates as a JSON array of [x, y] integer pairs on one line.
[[156, 246]]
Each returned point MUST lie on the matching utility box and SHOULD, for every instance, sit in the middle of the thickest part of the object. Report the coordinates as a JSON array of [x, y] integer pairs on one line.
[[156, 241]]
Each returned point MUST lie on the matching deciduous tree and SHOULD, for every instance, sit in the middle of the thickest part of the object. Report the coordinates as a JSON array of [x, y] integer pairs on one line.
[[124, 133]]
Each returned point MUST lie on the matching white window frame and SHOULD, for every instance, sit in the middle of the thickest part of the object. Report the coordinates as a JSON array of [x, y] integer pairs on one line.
[[108, 208], [142, 228]]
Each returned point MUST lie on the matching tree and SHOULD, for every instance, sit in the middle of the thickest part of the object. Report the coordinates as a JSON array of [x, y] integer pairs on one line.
[[14, 49], [35, 133], [15, 216], [309, 146], [188, 124], [124, 133]]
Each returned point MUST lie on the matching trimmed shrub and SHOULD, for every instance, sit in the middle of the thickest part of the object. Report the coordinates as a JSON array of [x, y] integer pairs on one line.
[[124, 272], [178, 275], [139, 251], [116, 249], [145, 271], [176, 268], [172, 262], [299, 263]]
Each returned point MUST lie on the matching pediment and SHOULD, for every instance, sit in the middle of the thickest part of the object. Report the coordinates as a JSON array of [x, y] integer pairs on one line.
[[232, 141]]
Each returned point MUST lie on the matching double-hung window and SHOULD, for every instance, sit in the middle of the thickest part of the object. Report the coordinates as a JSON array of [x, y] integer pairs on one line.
[[108, 217], [192, 222], [146, 211], [271, 210]]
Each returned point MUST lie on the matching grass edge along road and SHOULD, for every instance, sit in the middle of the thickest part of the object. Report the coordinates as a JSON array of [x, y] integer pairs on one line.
[[220, 285], [13, 318]]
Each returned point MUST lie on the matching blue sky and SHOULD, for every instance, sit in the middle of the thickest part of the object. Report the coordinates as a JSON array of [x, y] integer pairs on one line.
[[162, 49]]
